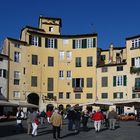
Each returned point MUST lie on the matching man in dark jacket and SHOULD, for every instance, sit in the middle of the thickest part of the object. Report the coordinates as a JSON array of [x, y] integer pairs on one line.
[[112, 116]]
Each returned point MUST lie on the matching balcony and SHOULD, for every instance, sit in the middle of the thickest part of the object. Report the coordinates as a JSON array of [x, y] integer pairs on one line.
[[136, 89], [78, 89], [134, 70]]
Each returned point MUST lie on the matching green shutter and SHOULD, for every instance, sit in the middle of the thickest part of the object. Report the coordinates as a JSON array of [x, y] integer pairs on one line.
[[46, 42], [82, 82], [30, 39], [39, 39], [73, 44], [84, 43], [55, 44], [94, 42], [124, 80], [132, 62], [73, 82], [114, 81]]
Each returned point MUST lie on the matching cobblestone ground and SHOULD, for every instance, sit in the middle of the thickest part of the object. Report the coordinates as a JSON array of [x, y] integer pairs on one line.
[[129, 130]]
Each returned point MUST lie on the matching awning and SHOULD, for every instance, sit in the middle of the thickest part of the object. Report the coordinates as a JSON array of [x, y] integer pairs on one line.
[[103, 103], [6, 103], [98, 103], [133, 102], [25, 104]]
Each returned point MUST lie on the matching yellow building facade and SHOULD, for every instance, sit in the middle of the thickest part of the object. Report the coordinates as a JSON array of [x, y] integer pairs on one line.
[[46, 67], [49, 68]]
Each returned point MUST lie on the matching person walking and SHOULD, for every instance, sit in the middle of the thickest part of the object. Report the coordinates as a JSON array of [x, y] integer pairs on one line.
[[71, 115], [42, 117], [85, 117], [49, 114], [112, 116], [56, 121], [98, 117], [20, 117], [77, 120], [29, 121], [35, 123]]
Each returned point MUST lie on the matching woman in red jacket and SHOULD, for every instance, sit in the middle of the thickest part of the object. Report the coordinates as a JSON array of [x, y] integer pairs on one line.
[[98, 117]]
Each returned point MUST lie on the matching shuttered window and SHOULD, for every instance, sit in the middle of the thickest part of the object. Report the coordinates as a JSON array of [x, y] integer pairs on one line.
[[50, 84], [34, 81], [104, 81], [35, 40], [89, 82]]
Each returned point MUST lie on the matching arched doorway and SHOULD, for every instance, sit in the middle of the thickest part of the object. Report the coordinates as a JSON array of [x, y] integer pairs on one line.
[[33, 98]]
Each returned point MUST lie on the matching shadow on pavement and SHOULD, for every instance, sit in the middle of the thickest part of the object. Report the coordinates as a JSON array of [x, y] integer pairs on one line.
[[9, 130]]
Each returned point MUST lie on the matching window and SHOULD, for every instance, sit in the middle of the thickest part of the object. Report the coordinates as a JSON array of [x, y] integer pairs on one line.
[[104, 69], [135, 43], [104, 95], [50, 61], [67, 95], [61, 74], [136, 62], [103, 57], [90, 43], [68, 74], [118, 95], [35, 40], [104, 81], [89, 95], [50, 95], [137, 83], [77, 96], [50, 84], [17, 57], [16, 77], [50, 43], [89, 61], [16, 94], [78, 62], [61, 55], [50, 29], [119, 68], [78, 82], [17, 45], [69, 55], [120, 80], [34, 59], [3, 73], [89, 82], [84, 43], [78, 43], [60, 95], [34, 81]]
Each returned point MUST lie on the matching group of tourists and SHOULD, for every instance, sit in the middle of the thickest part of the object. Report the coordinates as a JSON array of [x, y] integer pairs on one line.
[[75, 118]]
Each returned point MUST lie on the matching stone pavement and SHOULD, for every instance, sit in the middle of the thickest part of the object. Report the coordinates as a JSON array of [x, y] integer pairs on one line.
[[129, 130]]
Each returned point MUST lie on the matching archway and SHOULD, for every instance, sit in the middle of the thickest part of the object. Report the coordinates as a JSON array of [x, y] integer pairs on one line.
[[33, 98]]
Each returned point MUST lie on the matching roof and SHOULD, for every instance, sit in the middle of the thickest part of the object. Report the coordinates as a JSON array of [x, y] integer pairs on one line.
[[132, 37], [16, 40], [64, 36], [3, 55]]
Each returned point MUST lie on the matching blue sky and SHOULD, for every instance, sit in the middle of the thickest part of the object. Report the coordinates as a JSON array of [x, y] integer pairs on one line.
[[113, 20]]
